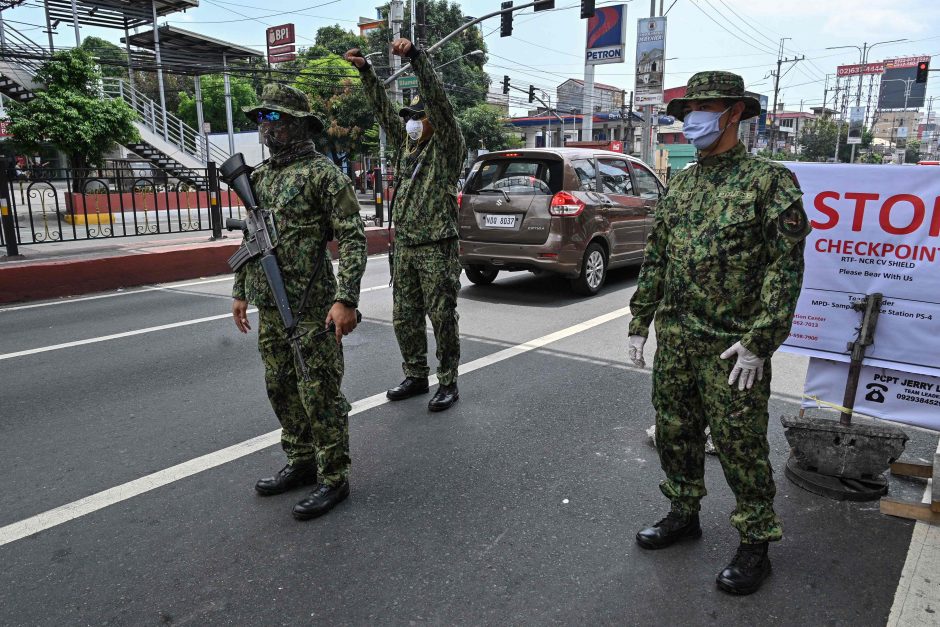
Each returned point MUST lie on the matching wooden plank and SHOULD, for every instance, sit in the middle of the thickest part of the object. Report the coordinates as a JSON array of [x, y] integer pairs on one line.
[[906, 509], [910, 469]]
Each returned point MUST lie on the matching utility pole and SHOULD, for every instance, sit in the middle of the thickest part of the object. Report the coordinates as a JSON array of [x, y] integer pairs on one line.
[[777, 76], [648, 141]]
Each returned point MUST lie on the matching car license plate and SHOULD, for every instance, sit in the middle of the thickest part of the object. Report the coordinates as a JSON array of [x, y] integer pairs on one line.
[[499, 221]]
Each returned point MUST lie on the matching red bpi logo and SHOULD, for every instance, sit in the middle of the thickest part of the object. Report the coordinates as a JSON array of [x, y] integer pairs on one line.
[[280, 35]]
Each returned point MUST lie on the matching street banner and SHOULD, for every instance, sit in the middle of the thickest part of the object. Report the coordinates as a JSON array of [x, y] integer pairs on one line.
[[650, 60], [606, 34], [882, 393], [875, 229], [856, 124]]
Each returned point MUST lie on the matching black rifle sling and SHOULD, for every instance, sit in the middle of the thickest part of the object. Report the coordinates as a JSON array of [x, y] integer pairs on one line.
[[327, 236]]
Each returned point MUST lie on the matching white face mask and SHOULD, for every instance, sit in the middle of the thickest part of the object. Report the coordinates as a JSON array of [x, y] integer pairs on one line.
[[414, 128]]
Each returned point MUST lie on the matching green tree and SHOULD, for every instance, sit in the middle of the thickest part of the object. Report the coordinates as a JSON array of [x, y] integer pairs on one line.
[[335, 92], [111, 59], [336, 40], [213, 103], [71, 115], [465, 79], [912, 151], [482, 127], [818, 142]]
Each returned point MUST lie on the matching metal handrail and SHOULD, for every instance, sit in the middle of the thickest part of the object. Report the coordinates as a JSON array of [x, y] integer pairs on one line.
[[174, 131], [18, 50]]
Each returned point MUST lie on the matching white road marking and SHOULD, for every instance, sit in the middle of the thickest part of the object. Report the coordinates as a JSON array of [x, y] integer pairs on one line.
[[156, 288], [917, 598], [76, 509], [144, 290], [162, 327]]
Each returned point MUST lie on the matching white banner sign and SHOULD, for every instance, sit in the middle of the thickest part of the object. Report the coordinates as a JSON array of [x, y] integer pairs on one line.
[[875, 229], [650, 60], [882, 393], [856, 125]]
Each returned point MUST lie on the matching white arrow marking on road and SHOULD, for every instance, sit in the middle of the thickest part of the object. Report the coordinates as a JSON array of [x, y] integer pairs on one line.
[[89, 504]]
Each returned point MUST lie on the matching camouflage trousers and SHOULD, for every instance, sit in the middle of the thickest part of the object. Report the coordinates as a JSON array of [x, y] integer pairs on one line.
[[690, 392], [426, 282], [314, 415]]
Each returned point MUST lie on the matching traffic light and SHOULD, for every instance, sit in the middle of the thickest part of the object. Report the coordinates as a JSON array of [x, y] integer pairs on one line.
[[505, 21], [543, 5], [923, 68], [587, 8], [531, 93], [505, 84]]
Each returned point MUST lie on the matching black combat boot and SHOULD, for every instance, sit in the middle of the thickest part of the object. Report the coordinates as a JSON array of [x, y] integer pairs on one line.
[[747, 571], [445, 396], [321, 500], [411, 386], [669, 530], [288, 478]]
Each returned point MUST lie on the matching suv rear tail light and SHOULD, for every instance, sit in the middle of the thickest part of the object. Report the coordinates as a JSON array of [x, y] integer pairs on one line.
[[564, 204], [459, 199]]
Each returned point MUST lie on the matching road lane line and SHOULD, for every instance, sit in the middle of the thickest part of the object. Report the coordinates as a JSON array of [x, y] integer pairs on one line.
[[81, 507], [918, 593], [162, 327], [144, 290], [131, 292]]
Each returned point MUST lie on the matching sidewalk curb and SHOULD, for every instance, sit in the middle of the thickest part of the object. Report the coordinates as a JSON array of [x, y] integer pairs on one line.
[[25, 279]]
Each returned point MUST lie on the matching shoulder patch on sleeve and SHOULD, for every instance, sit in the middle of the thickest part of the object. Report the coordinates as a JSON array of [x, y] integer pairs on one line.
[[792, 223]]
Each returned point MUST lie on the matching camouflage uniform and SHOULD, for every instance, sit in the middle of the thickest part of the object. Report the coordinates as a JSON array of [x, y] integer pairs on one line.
[[308, 195], [427, 270], [724, 263]]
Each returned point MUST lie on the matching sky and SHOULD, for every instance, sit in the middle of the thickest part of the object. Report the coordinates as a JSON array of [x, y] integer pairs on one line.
[[547, 47]]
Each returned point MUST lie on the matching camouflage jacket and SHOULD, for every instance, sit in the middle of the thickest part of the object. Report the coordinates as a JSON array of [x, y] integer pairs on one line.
[[425, 206], [307, 197], [724, 261]]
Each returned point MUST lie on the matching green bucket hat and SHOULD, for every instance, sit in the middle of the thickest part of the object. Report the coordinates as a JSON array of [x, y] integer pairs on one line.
[[714, 85], [287, 100]]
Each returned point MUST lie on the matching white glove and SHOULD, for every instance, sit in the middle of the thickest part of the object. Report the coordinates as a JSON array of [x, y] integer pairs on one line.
[[747, 367], [636, 344]]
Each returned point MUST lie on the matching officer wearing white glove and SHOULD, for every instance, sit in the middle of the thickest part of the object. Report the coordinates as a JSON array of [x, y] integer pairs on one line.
[[635, 351], [747, 369]]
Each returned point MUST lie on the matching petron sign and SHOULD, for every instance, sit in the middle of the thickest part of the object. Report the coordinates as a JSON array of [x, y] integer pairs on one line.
[[280, 40], [606, 33]]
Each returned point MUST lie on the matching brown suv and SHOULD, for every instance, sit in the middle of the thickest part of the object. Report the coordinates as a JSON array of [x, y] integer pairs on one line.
[[573, 211]]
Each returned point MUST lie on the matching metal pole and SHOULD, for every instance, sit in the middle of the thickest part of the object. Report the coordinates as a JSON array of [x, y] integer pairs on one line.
[[215, 209], [587, 96], [395, 16], [6, 216], [200, 117], [130, 65], [156, 48], [3, 35], [78, 32], [49, 28], [411, 9], [228, 105]]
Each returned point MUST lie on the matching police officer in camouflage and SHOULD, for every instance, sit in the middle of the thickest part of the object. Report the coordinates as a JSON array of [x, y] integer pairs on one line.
[[722, 273], [309, 198], [426, 274]]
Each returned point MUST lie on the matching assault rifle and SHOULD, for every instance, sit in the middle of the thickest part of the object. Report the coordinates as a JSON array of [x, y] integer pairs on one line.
[[260, 241]]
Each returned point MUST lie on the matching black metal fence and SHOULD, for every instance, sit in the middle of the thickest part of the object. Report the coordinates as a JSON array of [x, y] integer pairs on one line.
[[122, 199]]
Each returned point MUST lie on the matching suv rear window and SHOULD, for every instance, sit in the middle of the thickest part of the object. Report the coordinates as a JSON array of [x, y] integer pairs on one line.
[[532, 177]]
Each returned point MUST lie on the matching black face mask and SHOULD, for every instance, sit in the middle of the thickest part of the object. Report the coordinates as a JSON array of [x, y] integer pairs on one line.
[[280, 134]]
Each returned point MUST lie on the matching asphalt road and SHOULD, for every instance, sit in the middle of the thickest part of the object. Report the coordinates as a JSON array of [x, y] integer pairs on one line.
[[518, 506]]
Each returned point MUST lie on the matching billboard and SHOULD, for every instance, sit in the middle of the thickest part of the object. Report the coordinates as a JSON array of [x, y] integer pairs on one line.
[[856, 124], [650, 60], [280, 40], [855, 70], [606, 34], [898, 89]]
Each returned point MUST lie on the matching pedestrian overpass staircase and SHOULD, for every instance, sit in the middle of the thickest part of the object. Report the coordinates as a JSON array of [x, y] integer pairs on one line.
[[167, 142]]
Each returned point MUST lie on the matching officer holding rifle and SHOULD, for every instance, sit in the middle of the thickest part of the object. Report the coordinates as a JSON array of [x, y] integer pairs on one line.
[[309, 199]]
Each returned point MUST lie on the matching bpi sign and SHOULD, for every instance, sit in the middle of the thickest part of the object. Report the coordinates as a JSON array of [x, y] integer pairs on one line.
[[281, 43], [606, 35]]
